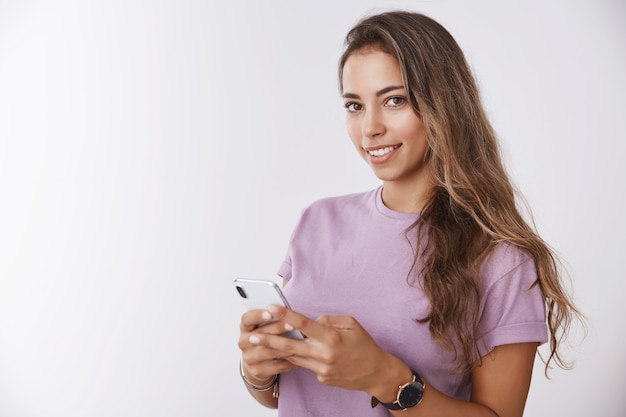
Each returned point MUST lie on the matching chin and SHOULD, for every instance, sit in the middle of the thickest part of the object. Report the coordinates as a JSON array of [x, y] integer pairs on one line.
[[384, 174]]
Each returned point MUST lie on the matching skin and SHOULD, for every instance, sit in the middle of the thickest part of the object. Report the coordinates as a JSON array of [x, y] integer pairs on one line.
[[379, 116], [337, 348]]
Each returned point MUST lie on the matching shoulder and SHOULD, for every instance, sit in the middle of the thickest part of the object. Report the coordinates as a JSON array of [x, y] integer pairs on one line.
[[342, 204], [333, 213], [504, 261]]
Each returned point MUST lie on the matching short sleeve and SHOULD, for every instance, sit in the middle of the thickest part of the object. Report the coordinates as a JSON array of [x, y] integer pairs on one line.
[[512, 307], [285, 269]]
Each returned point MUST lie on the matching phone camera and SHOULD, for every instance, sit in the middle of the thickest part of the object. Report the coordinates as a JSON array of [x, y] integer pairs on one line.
[[241, 292]]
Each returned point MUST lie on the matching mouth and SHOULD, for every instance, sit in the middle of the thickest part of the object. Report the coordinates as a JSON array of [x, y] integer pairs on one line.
[[382, 151]]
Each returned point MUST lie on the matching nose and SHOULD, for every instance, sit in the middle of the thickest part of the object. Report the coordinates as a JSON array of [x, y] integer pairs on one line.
[[373, 124]]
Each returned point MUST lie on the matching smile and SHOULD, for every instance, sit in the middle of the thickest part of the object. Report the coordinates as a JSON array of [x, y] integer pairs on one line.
[[383, 151]]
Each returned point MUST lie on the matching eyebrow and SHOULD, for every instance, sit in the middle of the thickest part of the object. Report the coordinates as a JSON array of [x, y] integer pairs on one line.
[[378, 93]]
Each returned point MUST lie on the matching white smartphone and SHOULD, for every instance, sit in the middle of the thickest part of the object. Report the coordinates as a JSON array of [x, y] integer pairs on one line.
[[258, 294]]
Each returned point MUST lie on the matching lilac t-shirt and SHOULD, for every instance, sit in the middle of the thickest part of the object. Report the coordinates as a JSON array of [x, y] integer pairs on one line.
[[349, 255]]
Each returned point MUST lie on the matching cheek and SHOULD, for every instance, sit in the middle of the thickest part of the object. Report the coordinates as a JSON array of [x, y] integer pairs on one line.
[[415, 129]]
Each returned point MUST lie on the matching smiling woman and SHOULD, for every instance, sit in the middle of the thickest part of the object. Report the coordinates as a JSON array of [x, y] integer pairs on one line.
[[152, 151], [438, 252], [384, 127]]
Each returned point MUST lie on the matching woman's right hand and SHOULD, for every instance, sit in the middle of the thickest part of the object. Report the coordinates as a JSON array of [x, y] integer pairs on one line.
[[260, 363]]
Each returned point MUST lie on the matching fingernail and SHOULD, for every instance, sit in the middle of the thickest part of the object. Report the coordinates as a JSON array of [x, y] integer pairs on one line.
[[254, 339], [272, 309], [266, 315], [288, 327]]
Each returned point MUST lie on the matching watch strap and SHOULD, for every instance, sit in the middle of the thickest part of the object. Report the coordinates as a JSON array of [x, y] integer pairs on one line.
[[396, 404]]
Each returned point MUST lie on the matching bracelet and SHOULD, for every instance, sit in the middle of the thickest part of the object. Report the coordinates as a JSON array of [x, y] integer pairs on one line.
[[269, 386]]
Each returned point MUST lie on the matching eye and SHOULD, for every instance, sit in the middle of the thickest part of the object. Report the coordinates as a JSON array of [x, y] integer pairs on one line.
[[351, 106], [395, 101]]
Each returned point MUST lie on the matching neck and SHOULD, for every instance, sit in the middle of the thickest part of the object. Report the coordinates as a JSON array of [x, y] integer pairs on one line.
[[405, 198]]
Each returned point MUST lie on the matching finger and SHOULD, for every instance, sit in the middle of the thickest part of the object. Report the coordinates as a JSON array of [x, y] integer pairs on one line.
[[304, 362], [295, 320], [275, 327], [249, 339], [256, 353], [280, 346], [251, 319], [266, 369]]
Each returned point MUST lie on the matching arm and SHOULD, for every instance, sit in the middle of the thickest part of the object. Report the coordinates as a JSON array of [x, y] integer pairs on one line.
[[263, 396], [260, 364], [343, 354], [499, 387]]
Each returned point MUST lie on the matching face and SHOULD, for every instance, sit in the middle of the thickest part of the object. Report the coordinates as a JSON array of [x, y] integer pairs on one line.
[[385, 130]]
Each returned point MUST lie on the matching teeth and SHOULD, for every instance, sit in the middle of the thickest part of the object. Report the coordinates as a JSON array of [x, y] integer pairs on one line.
[[382, 151]]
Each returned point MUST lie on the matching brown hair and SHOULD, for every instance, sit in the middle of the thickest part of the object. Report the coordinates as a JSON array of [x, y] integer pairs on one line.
[[473, 204]]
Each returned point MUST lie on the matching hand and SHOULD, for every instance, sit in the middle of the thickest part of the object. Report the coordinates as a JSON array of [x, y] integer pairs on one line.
[[338, 349], [260, 363]]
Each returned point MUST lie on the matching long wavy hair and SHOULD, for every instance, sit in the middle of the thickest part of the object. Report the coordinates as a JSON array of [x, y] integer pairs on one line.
[[473, 205]]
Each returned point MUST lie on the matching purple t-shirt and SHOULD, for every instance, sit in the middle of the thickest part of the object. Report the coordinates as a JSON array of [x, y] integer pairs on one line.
[[350, 255]]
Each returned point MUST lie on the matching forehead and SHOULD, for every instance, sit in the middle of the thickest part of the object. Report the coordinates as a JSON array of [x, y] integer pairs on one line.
[[370, 69]]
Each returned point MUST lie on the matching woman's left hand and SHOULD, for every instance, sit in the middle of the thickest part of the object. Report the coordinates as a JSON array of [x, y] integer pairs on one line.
[[337, 348]]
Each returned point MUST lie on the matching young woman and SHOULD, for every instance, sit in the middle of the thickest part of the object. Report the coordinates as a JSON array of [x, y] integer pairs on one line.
[[426, 296]]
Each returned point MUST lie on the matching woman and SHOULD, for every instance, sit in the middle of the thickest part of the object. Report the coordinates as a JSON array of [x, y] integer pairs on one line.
[[428, 294]]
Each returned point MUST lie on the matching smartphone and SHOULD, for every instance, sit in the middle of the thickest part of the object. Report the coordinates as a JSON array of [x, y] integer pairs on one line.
[[258, 294]]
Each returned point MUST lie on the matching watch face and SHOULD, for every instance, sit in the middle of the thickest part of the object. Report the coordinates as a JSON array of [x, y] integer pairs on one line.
[[410, 395]]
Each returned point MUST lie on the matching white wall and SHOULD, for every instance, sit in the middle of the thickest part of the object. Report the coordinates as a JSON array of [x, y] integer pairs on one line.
[[151, 151]]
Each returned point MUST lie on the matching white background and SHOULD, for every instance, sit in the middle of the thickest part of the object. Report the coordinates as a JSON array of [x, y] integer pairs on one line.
[[152, 151]]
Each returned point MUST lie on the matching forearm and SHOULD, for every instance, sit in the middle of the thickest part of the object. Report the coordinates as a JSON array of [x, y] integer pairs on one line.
[[265, 392], [265, 398], [437, 404], [500, 386], [433, 404]]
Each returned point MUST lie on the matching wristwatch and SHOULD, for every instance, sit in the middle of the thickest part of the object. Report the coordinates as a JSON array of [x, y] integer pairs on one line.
[[409, 395]]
